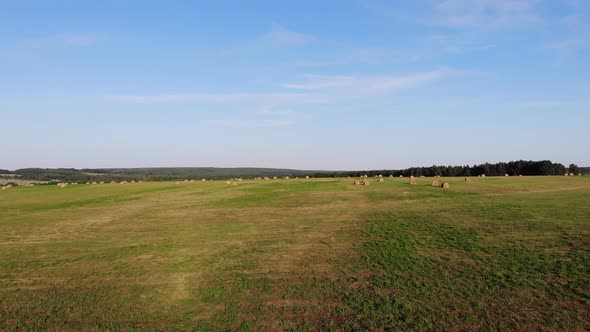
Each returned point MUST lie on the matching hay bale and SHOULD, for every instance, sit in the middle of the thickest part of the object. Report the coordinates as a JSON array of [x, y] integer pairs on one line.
[[203, 180], [467, 180], [579, 174], [380, 175], [381, 180], [422, 176], [357, 183], [192, 181], [445, 185], [435, 183], [87, 182], [177, 182], [113, 182], [227, 182], [235, 184], [240, 179], [366, 182], [366, 176], [506, 174], [572, 174], [391, 175], [266, 178], [286, 178], [307, 176], [274, 177], [63, 185], [412, 181], [101, 182], [401, 176], [483, 176]]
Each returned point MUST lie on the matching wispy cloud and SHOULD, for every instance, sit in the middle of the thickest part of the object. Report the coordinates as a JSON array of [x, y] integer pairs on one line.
[[252, 123], [313, 89], [363, 85], [485, 13], [281, 36], [64, 40], [212, 98]]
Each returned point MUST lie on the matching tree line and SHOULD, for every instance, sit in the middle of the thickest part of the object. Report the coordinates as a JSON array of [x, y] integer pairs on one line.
[[513, 168]]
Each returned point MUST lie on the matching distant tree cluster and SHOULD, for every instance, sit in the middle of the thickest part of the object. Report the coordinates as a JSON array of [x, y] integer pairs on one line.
[[521, 167]]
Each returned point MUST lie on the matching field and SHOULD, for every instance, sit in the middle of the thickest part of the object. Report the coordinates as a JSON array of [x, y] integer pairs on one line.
[[505, 253]]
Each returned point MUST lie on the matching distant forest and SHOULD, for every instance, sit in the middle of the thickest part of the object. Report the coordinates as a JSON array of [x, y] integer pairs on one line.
[[514, 168]]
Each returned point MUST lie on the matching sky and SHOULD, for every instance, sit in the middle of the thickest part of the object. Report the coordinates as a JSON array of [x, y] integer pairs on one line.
[[336, 85]]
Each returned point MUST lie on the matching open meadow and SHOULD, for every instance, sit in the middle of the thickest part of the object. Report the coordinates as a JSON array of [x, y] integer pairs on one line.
[[298, 254]]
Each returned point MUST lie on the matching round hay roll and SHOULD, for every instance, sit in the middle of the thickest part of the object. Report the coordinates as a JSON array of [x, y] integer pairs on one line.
[[435, 183], [274, 177], [366, 182], [286, 178], [266, 178], [380, 175], [401, 176], [422, 176], [412, 181], [467, 180], [203, 180], [307, 176], [381, 180], [87, 182], [240, 179], [235, 184], [357, 183], [579, 174], [483, 176], [506, 174], [445, 185], [101, 182], [391, 175], [572, 174], [228, 182], [113, 182]]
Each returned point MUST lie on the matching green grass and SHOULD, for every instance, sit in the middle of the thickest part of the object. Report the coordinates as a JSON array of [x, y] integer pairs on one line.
[[494, 254]]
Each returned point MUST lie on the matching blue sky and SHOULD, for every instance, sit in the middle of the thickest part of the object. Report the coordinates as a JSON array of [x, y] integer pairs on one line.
[[298, 84]]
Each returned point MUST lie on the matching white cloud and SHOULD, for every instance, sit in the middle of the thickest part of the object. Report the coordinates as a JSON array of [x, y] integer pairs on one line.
[[213, 98], [485, 13], [64, 40], [281, 36], [252, 123], [363, 85]]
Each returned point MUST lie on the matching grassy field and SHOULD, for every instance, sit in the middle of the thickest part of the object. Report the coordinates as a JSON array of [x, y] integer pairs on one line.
[[496, 254]]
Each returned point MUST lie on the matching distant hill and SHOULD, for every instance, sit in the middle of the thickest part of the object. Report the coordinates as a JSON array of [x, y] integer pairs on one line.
[[148, 174]]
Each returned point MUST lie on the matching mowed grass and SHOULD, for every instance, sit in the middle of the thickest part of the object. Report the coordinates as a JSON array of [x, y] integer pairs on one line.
[[495, 254]]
